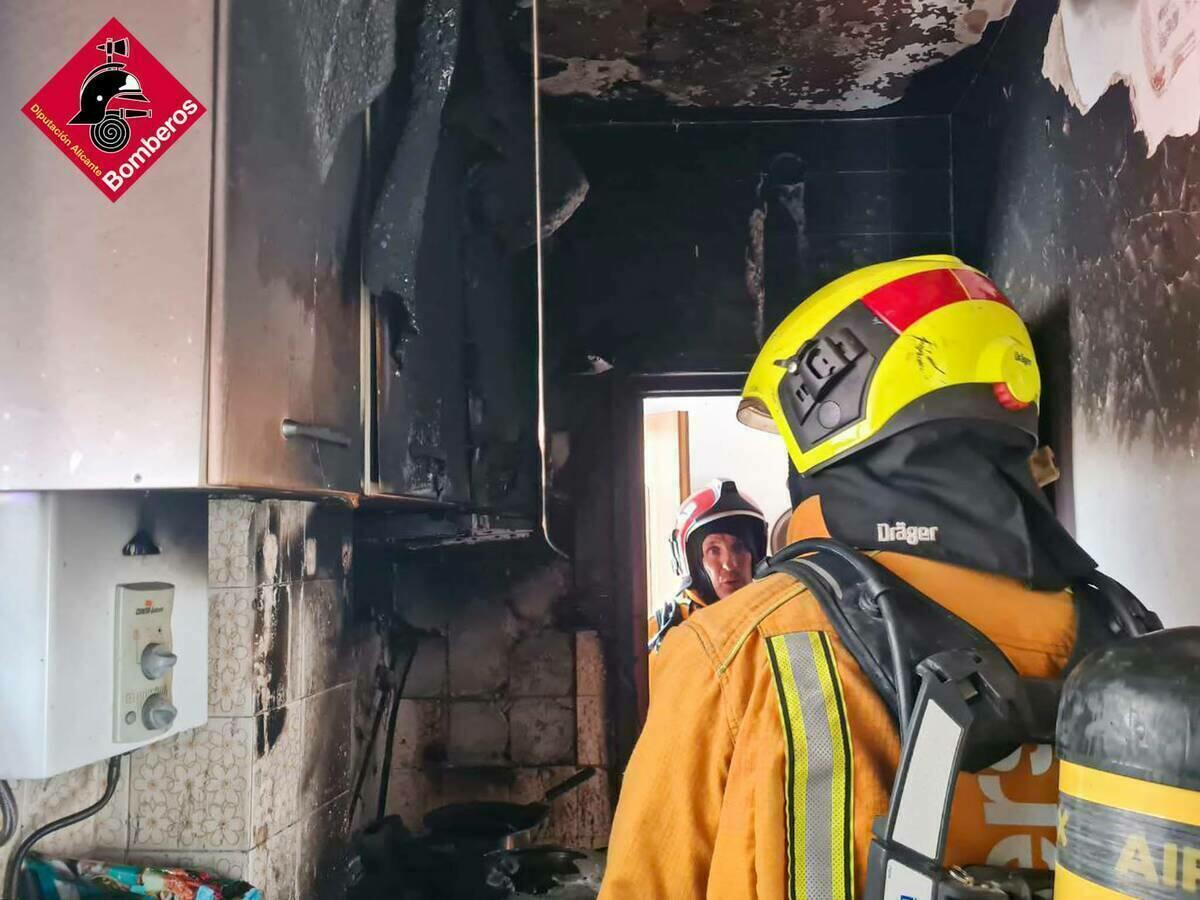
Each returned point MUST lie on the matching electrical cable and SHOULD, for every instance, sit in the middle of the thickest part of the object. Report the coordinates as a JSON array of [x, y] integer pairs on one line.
[[386, 762], [368, 749], [9, 813], [17, 860]]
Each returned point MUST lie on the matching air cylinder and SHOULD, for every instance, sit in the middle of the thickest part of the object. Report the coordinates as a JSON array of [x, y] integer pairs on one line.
[[1129, 779]]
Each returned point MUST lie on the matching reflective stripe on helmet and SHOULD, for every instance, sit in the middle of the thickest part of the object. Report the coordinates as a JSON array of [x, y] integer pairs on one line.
[[819, 771], [905, 300]]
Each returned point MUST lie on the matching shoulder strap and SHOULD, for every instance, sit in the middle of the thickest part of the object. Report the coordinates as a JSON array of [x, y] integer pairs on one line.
[[665, 617], [1106, 610], [892, 630]]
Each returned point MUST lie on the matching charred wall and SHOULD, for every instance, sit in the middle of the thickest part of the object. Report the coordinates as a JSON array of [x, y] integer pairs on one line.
[[1099, 246], [507, 691], [696, 239]]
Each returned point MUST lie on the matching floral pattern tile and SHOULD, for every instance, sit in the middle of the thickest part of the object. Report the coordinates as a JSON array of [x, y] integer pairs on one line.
[[112, 822], [226, 863], [230, 543], [192, 791], [58, 796], [231, 616], [273, 865], [275, 774]]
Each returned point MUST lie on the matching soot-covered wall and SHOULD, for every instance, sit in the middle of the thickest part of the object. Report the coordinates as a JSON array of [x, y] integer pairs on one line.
[[507, 692], [696, 239], [1099, 246]]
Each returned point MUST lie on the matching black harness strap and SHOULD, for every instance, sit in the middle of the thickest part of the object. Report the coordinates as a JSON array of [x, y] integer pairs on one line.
[[958, 701], [893, 630]]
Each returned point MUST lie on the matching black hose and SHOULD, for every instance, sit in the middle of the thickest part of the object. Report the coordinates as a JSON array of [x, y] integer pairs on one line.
[[17, 861], [386, 763], [368, 749], [900, 671], [873, 577], [8, 813]]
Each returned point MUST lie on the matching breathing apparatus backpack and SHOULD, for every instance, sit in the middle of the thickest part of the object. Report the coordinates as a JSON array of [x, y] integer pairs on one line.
[[1124, 719]]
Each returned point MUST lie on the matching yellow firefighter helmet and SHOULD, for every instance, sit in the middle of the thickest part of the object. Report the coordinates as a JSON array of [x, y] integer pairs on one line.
[[885, 348]]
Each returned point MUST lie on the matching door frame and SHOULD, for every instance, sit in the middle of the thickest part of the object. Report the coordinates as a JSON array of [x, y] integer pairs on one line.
[[630, 530]]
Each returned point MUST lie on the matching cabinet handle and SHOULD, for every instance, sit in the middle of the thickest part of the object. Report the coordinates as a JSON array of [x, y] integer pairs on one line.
[[290, 428]]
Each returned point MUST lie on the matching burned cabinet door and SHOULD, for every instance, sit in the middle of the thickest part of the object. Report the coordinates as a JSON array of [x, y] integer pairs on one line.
[[421, 395], [501, 366], [285, 408]]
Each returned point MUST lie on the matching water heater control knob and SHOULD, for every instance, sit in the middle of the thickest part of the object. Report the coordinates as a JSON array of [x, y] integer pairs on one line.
[[158, 713], [157, 661]]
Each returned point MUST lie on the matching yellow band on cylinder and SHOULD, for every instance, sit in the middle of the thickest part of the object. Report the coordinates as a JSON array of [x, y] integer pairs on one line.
[[1130, 794], [1069, 886]]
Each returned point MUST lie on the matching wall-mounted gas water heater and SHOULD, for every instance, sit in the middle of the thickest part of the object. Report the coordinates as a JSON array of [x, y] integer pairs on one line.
[[104, 624]]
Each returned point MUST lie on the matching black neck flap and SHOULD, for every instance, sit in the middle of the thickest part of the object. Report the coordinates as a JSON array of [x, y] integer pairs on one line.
[[957, 491]]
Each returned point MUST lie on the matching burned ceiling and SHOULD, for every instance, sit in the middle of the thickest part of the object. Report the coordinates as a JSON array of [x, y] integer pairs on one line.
[[782, 54]]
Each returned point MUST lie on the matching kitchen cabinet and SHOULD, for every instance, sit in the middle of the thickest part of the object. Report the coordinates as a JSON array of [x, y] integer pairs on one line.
[[204, 329], [211, 328], [286, 273], [421, 396]]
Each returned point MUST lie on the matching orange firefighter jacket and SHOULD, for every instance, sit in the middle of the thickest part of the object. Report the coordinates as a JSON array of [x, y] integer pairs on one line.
[[687, 602], [767, 754]]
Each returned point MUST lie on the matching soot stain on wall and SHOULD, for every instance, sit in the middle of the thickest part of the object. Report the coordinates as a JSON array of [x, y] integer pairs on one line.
[[696, 240], [1080, 228]]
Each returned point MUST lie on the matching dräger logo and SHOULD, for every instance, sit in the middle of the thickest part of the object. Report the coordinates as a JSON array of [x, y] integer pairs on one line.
[[902, 533], [113, 109]]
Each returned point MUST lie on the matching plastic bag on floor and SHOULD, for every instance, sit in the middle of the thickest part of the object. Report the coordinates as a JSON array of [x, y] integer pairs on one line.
[[48, 878]]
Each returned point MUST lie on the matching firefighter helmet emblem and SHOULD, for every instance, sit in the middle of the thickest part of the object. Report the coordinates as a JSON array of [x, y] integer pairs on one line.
[[107, 82]]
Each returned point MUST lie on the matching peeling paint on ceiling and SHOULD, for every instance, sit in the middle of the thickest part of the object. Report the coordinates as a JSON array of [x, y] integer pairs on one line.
[[817, 55], [1151, 45]]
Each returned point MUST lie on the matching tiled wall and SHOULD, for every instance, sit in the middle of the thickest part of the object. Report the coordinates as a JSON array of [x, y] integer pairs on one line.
[[507, 694], [261, 791]]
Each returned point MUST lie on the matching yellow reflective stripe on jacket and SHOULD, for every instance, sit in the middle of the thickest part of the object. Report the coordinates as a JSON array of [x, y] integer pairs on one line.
[[819, 787]]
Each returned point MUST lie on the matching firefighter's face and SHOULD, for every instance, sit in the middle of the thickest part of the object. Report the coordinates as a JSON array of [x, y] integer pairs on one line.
[[727, 562]]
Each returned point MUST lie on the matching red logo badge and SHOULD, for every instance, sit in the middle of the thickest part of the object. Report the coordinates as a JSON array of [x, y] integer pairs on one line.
[[113, 109]]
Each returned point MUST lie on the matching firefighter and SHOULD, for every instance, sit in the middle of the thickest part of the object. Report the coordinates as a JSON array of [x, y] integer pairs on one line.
[[906, 394], [720, 535]]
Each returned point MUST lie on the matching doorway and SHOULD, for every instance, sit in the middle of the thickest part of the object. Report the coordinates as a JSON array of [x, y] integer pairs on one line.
[[687, 442]]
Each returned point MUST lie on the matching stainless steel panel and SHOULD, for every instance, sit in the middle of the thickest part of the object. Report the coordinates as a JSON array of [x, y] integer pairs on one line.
[[103, 306], [286, 324]]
